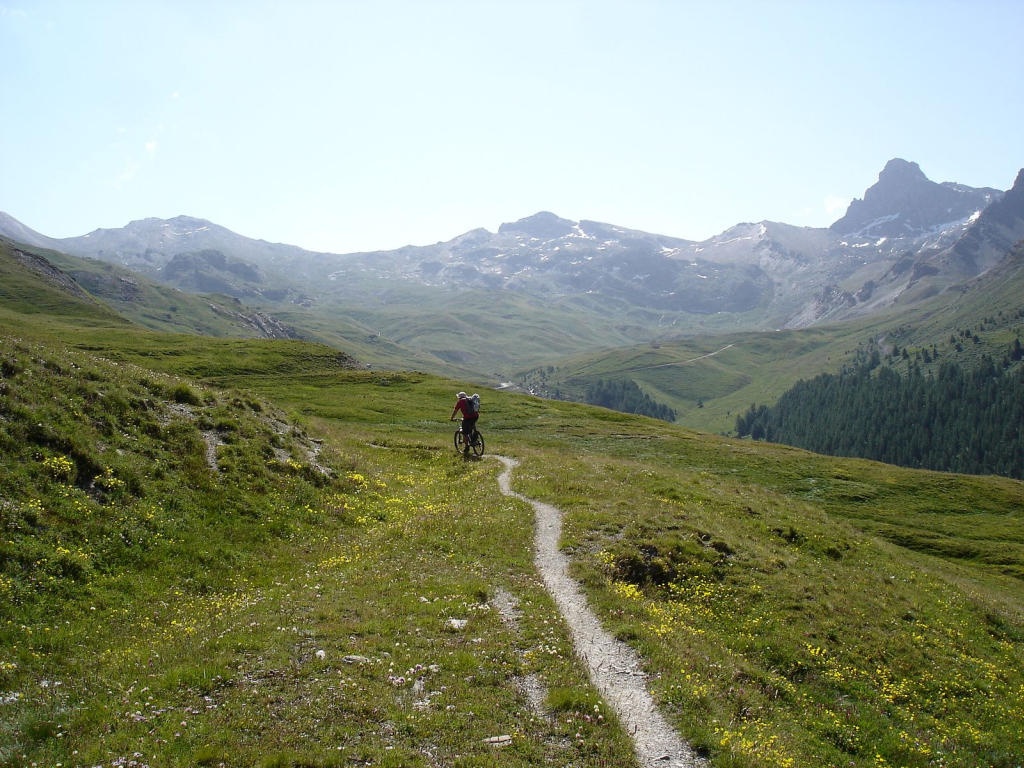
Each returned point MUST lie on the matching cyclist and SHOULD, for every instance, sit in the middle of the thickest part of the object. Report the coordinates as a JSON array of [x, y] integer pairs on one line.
[[470, 409]]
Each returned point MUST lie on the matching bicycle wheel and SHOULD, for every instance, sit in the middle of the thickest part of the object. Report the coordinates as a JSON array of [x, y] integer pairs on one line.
[[478, 444], [458, 439]]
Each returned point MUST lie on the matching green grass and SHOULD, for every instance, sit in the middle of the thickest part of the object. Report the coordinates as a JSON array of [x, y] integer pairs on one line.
[[367, 344], [166, 610], [793, 609]]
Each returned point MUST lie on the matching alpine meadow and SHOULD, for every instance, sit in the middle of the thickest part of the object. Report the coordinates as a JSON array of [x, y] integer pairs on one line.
[[545, 384], [235, 530]]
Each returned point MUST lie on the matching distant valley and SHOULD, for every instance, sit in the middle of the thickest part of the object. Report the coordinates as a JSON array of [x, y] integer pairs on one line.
[[906, 239], [505, 306]]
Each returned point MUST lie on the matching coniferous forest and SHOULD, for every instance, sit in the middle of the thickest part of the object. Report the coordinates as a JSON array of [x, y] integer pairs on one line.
[[625, 396], [953, 419]]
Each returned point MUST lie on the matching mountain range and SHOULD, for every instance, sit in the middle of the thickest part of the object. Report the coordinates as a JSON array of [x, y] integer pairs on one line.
[[908, 239]]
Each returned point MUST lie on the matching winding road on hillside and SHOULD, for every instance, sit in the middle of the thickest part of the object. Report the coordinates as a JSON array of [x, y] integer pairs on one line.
[[614, 667]]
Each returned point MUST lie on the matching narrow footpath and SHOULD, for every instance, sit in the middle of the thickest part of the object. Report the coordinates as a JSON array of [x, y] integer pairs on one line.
[[614, 667]]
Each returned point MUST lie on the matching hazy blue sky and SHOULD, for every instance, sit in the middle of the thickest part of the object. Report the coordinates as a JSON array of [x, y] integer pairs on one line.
[[347, 126]]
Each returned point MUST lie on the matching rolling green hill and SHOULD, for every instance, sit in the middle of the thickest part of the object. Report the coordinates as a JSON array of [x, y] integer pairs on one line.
[[495, 334], [706, 380], [334, 327], [50, 282], [57, 283], [162, 308], [709, 380], [249, 552], [31, 286]]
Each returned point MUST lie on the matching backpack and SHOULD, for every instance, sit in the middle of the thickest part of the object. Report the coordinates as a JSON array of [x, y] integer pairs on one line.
[[473, 405]]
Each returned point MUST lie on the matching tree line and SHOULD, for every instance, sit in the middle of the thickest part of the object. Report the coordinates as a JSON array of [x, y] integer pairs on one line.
[[953, 419], [625, 396]]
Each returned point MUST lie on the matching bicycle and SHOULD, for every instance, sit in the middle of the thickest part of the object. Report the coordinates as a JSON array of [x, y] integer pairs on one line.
[[476, 444]]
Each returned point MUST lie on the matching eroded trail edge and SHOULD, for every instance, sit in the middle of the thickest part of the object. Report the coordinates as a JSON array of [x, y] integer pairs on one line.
[[614, 667]]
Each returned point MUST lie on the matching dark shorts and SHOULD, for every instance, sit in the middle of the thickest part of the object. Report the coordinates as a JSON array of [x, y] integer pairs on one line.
[[469, 424]]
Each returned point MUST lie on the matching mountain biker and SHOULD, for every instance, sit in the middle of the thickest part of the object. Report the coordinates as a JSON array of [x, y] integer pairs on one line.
[[470, 409]]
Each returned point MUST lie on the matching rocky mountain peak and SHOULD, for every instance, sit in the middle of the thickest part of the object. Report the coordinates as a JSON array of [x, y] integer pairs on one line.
[[1018, 184], [189, 221], [906, 202], [177, 224], [990, 236], [544, 226], [898, 172], [1008, 211]]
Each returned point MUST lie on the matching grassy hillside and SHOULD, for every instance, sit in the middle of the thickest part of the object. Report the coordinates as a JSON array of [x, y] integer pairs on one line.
[[189, 578], [798, 610], [496, 334], [370, 345], [709, 380], [31, 290], [803, 611], [991, 307], [188, 586], [706, 380], [159, 307], [103, 292]]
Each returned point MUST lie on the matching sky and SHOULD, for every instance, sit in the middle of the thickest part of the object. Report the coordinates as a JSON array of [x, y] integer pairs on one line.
[[348, 126]]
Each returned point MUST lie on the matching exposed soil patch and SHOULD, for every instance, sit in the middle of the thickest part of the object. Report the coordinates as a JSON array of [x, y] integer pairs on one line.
[[212, 440], [310, 446], [614, 667], [529, 685]]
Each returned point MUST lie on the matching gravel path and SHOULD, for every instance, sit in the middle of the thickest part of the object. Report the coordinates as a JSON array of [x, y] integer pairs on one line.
[[615, 669]]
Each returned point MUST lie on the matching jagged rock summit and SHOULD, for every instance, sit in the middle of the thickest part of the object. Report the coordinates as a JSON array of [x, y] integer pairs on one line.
[[1009, 210], [990, 236], [905, 202]]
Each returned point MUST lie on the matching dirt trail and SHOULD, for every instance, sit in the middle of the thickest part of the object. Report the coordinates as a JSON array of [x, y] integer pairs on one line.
[[615, 669], [679, 362]]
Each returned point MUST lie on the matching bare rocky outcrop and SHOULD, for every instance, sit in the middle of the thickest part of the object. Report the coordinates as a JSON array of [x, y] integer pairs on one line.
[[266, 325], [50, 273]]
